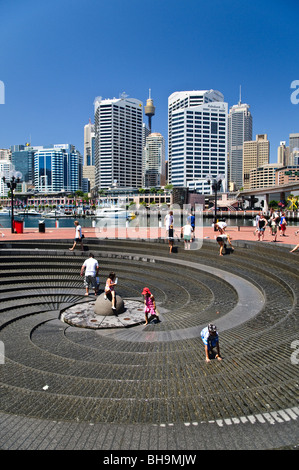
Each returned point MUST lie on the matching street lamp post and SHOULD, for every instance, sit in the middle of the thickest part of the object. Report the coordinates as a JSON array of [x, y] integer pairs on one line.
[[11, 181], [215, 182]]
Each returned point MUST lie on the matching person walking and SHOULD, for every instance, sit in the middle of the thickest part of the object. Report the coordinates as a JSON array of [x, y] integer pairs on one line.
[[169, 229], [89, 270], [168, 220], [78, 236], [274, 223], [261, 226], [283, 224], [210, 338], [187, 234], [191, 221]]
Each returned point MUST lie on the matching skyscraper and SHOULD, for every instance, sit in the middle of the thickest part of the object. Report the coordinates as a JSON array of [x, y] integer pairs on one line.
[[283, 153], [293, 149], [58, 168], [88, 156], [294, 142], [256, 153], [154, 161], [23, 159], [118, 142], [239, 131], [5, 167], [197, 132]]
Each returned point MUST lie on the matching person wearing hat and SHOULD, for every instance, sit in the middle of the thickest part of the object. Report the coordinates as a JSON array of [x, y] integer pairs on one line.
[[149, 304], [210, 338]]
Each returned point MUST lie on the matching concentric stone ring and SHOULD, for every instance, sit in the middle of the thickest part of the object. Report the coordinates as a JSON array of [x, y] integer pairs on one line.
[[149, 387]]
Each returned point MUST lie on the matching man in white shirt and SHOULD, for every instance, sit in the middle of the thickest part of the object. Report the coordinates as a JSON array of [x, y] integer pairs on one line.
[[90, 268]]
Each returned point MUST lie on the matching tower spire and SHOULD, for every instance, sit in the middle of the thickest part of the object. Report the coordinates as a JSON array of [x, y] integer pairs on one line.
[[149, 110]]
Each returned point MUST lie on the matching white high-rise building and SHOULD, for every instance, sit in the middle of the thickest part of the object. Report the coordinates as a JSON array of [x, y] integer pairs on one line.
[[239, 131], [5, 168], [197, 127], [88, 158], [118, 142], [154, 161], [5, 154]]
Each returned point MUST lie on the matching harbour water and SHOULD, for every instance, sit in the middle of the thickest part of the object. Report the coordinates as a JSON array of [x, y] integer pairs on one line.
[[141, 221]]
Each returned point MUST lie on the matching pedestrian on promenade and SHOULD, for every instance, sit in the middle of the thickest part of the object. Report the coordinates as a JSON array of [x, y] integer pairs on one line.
[[261, 226], [170, 238], [168, 220], [191, 221], [111, 282], [274, 222], [222, 238], [257, 218], [283, 224], [78, 236], [149, 305], [210, 338], [89, 270], [187, 234]]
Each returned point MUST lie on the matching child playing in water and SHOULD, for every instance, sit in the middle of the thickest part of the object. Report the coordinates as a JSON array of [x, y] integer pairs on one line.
[[149, 304]]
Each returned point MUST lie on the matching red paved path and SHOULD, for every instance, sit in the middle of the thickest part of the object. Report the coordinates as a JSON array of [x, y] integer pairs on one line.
[[237, 233]]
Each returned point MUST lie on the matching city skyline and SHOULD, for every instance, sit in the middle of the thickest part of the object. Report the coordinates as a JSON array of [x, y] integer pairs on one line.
[[58, 57]]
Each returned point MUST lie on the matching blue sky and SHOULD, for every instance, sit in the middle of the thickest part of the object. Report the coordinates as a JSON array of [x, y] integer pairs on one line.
[[56, 57]]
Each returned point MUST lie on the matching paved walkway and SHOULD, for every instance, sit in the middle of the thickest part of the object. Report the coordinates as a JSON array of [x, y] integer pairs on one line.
[[237, 233]]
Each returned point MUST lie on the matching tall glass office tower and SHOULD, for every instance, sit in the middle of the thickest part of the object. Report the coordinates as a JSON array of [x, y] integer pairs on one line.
[[239, 131], [58, 168], [118, 142], [23, 160], [197, 138], [154, 161]]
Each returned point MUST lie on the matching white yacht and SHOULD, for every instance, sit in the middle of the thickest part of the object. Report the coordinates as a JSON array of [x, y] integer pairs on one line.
[[31, 212], [112, 212], [55, 214], [4, 212]]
